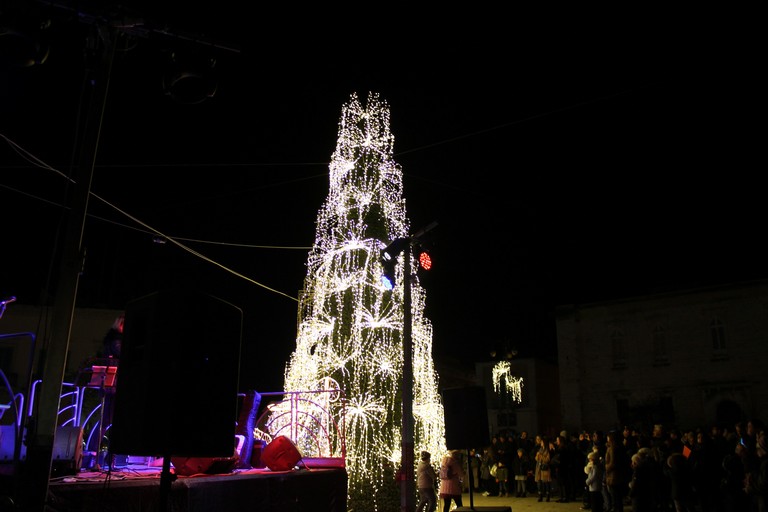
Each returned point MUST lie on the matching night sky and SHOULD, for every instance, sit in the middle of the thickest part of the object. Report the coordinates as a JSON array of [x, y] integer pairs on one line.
[[561, 165]]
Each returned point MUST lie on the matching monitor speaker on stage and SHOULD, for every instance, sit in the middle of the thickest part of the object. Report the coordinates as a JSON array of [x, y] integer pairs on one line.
[[67, 454], [466, 418], [176, 390]]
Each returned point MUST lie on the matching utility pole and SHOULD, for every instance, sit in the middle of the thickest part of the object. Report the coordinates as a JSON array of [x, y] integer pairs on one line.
[[36, 473]]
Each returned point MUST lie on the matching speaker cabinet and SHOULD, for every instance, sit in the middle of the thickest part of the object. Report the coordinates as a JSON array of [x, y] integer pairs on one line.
[[67, 456], [177, 377], [466, 418]]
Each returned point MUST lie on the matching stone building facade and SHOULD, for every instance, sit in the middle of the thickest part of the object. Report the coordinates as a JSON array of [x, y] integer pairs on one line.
[[684, 359]]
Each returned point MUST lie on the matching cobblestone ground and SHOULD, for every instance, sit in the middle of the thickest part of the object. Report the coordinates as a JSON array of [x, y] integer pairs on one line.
[[528, 504]]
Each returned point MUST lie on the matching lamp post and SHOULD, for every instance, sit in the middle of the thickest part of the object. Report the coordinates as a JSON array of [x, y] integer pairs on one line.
[[407, 486], [406, 473], [407, 477]]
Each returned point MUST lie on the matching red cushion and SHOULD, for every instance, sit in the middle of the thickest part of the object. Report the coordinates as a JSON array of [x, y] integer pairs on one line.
[[281, 454], [188, 466]]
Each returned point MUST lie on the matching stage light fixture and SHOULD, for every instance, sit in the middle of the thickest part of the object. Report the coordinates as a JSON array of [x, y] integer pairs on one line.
[[389, 265], [389, 261], [23, 45], [425, 260], [190, 77]]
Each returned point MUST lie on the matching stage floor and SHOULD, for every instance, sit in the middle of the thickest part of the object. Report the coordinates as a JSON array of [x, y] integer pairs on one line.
[[138, 488]]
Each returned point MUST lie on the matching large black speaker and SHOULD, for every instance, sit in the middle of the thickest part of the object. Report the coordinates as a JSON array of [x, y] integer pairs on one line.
[[67, 455], [177, 380], [466, 418]]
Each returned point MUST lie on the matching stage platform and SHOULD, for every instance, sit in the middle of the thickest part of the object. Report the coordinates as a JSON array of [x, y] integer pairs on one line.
[[138, 488]]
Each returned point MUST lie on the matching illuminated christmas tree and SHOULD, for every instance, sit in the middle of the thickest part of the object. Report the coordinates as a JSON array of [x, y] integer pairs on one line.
[[350, 333]]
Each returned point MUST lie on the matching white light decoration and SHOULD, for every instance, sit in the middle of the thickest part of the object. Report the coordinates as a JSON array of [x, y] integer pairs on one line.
[[502, 373], [351, 327]]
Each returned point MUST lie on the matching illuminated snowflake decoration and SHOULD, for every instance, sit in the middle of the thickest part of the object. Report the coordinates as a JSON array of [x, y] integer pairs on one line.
[[350, 326], [502, 376]]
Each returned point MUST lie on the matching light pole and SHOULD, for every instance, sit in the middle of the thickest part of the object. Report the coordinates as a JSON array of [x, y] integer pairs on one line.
[[406, 473], [389, 255], [407, 486]]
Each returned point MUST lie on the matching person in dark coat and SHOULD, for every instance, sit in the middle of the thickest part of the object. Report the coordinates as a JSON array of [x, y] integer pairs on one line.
[[486, 479], [521, 466], [569, 468], [112, 344], [617, 470], [732, 486], [707, 472], [641, 485], [681, 482]]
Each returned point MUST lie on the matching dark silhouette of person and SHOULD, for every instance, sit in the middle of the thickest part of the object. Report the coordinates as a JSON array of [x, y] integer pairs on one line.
[[113, 339], [112, 345]]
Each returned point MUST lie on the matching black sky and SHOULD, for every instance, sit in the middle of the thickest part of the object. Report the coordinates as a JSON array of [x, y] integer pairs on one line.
[[561, 165]]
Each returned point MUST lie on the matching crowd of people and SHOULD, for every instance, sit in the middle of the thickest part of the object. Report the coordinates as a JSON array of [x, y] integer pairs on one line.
[[716, 469]]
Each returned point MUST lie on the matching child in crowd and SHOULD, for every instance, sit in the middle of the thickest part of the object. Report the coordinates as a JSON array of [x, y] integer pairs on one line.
[[521, 466], [502, 478], [594, 470]]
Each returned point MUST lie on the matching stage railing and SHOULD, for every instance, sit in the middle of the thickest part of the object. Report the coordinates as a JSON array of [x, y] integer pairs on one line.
[[313, 420], [16, 398]]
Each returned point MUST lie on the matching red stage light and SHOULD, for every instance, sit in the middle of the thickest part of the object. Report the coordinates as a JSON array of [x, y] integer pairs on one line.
[[425, 261]]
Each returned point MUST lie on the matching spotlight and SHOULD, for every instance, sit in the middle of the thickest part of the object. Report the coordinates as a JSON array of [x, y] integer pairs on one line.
[[190, 77], [388, 264], [388, 260], [24, 47]]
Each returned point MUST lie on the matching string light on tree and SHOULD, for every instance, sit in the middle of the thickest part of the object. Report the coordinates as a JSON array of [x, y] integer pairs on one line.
[[351, 323]]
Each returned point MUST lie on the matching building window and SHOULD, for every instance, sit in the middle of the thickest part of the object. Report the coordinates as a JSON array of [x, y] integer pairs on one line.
[[717, 331], [617, 348], [659, 346]]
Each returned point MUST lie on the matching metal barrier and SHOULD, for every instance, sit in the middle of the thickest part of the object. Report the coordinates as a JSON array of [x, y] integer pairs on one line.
[[313, 420]]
